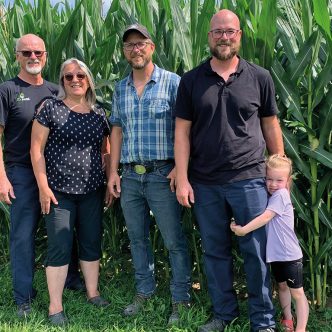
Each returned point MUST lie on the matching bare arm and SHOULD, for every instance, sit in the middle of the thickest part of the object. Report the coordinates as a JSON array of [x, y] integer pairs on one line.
[[184, 191], [113, 184], [272, 134], [106, 156], [257, 222], [6, 189], [39, 137]]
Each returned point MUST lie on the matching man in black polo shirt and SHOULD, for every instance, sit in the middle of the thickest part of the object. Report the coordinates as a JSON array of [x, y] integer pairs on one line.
[[19, 97], [226, 116]]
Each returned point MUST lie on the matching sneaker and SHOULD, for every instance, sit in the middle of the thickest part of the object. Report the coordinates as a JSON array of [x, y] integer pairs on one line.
[[214, 325], [23, 309], [269, 329], [175, 315], [133, 308]]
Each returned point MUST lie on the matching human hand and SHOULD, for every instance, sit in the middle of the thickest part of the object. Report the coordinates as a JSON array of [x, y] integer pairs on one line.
[[237, 229], [172, 177], [46, 196], [109, 198], [185, 193], [6, 190], [113, 184]]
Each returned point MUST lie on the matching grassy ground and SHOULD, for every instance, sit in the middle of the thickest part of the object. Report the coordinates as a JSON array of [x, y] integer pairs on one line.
[[119, 289]]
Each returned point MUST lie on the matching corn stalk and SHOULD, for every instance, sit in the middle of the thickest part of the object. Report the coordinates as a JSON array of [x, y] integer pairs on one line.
[[302, 73], [291, 38]]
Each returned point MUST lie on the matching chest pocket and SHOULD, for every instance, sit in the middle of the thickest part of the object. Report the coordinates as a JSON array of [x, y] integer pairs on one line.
[[158, 109]]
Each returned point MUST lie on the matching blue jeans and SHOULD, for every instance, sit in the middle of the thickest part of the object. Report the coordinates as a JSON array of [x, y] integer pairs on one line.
[[139, 195], [215, 205], [24, 219]]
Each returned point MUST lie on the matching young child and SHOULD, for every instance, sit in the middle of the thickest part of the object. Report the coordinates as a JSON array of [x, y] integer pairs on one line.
[[282, 249]]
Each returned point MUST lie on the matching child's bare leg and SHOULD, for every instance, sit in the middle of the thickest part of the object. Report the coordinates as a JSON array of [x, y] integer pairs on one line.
[[285, 300], [302, 308]]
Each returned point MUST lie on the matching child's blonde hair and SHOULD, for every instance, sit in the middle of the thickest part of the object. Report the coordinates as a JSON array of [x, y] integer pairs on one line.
[[279, 161]]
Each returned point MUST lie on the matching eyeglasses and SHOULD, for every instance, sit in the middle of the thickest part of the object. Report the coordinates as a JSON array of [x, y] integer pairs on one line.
[[70, 77], [27, 54], [218, 33], [131, 46]]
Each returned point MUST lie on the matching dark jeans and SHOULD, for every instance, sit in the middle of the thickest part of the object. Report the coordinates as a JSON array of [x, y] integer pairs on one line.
[[215, 205], [24, 218], [139, 195]]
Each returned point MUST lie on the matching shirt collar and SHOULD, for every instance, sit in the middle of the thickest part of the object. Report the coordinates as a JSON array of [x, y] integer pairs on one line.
[[240, 67]]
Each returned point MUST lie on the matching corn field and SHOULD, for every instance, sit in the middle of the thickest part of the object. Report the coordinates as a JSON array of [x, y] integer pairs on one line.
[[291, 38]]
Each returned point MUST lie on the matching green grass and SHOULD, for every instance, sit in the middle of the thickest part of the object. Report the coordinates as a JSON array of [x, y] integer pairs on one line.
[[119, 289]]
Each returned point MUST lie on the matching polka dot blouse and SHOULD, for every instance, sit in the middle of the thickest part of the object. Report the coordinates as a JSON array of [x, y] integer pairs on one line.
[[73, 148]]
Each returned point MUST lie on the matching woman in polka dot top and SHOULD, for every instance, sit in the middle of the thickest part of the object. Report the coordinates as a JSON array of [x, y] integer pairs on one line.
[[68, 136]]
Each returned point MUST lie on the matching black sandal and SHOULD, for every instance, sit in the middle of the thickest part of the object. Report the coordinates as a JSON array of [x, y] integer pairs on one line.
[[58, 319], [98, 301]]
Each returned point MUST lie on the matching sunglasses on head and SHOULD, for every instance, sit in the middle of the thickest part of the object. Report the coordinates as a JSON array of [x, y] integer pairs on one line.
[[70, 77], [27, 54]]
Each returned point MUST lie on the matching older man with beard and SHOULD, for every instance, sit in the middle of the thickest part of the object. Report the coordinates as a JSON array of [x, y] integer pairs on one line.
[[225, 117], [19, 97], [143, 138]]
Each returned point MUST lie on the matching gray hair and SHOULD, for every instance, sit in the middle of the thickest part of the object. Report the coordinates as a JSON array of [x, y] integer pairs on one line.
[[90, 95]]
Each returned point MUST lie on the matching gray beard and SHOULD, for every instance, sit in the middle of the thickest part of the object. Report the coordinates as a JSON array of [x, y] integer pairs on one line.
[[34, 70]]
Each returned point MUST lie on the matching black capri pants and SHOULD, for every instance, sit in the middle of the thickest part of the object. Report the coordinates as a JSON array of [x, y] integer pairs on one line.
[[87, 211]]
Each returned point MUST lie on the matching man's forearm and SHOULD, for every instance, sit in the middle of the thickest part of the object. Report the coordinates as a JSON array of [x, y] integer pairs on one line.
[[116, 143], [273, 135], [2, 164], [182, 148]]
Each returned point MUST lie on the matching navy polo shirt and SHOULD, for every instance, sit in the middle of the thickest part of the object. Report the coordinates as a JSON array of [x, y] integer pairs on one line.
[[226, 140]]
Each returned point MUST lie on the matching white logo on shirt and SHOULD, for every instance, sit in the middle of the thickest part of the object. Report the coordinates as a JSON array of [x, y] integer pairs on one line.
[[21, 97]]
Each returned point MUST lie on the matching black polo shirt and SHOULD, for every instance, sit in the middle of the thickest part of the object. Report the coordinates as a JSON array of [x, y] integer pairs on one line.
[[227, 143]]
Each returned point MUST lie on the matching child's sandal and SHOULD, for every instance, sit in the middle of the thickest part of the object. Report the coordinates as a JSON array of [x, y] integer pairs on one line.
[[288, 325]]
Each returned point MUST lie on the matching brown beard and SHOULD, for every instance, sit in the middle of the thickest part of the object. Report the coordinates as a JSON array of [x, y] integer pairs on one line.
[[234, 50], [139, 65]]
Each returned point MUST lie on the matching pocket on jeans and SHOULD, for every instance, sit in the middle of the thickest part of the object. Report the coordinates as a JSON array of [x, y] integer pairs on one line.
[[164, 170]]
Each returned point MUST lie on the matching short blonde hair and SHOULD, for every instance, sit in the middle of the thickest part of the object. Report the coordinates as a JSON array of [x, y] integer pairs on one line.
[[278, 161], [90, 95]]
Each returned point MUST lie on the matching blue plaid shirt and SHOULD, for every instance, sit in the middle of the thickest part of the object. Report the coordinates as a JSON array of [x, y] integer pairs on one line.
[[147, 122]]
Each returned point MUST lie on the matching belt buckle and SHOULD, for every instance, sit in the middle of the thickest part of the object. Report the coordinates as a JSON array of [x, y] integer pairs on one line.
[[140, 169]]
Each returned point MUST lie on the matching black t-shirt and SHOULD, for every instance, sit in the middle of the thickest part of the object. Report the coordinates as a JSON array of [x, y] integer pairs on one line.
[[73, 148], [227, 143], [18, 100]]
